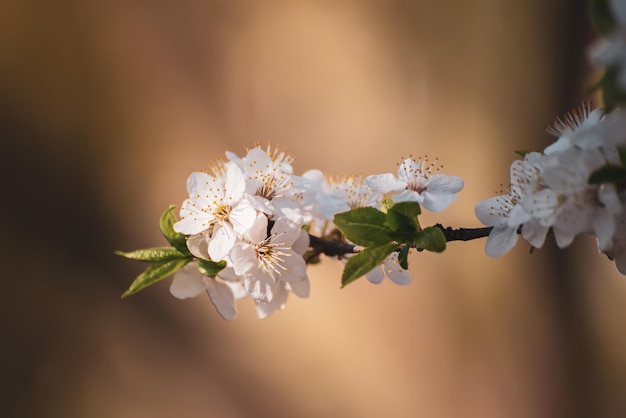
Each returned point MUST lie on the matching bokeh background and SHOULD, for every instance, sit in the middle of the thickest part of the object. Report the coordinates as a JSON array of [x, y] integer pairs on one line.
[[107, 106]]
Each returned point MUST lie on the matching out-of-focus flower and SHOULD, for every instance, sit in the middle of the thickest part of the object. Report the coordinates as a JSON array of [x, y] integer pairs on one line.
[[390, 268]]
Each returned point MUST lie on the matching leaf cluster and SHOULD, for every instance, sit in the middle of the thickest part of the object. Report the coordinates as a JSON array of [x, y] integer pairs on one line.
[[165, 261], [381, 233]]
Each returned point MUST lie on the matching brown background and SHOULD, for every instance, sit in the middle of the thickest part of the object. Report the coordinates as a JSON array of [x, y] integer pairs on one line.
[[107, 106]]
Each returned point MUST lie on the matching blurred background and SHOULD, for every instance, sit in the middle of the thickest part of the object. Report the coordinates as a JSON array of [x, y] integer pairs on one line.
[[107, 106]]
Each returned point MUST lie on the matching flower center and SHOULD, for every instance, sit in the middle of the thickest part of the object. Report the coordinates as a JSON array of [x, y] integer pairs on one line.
[[271, 256], [222, 212]]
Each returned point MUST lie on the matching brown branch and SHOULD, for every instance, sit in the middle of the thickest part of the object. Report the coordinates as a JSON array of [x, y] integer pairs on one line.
[[339, 248]]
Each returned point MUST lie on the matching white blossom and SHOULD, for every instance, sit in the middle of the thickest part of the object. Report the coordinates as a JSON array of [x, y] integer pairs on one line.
[[418, 181], [264, 260], [216, 211]]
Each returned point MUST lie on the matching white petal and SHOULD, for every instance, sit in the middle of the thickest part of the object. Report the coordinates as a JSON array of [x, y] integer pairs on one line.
[[564, 235], [301, 288], [609, 198], [385, 183], [408, 196], [435, 202], [375, 275], [265, 309], [193, 220], [259, 285], [243, 258], [235, 184], [535, 233], [394, 272], [500, 241], [302, 243], [222, 297], [490, 211], [242, 218], [198, 245], [188, 282], [285, 232], [604, 228], [517, 216], [441, 183], [295, 267], [222, 241], [198, 182], [542, 205]]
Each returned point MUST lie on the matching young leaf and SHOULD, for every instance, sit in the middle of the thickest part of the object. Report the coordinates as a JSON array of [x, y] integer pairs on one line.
[[363, 226], [210, 268], [154, 255], [176, 239], [402, 220], [363, 262], [153, 274], [431, 239], [403, 257], [609, 173]]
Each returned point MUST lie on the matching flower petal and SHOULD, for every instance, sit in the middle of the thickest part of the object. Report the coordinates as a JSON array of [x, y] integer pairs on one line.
[[222, 241], [235, 184], [375, 275], [265, 309], [500, 241], [243, 258], [301, 288], [198, 245], [394, 272], [436, 202], [385, 183], [222, 298], [295, 267], [188, 282], [260, 285], [442, 183]]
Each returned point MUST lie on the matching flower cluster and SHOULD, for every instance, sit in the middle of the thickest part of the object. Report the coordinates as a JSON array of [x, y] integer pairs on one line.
[[250, 226], [555, 192], [255, 214]]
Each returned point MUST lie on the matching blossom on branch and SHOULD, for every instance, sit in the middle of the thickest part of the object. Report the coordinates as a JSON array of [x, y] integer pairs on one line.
[[418, 181]]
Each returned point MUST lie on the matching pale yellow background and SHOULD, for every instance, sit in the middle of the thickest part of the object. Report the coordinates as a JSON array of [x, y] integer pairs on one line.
[[107, 106]]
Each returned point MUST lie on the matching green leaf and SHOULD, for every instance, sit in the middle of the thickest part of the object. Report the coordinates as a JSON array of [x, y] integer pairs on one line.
[[153, 274], [521, 152], [609, 173], [431, 239], [403, 257], [363, 226], [154, 255], [363, 262], [210, 268], [176, 239], [602, 16], [402, 220]]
